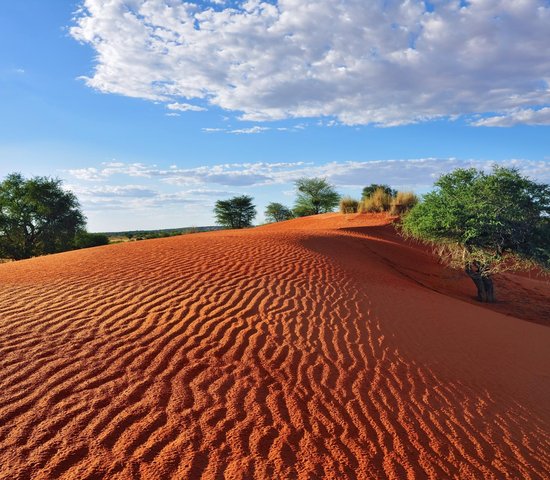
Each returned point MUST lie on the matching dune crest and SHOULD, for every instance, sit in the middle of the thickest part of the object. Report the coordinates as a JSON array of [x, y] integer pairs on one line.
[[323, 347]]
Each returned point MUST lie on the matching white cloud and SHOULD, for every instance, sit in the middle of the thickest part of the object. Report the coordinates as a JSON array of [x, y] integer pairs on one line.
[[527, 116], [386, 63], [401, 173], [251, 130], [185, 107]]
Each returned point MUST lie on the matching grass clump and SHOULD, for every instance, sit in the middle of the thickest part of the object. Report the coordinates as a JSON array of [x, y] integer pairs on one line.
[[402, 203], [348, 205], [378, 201]]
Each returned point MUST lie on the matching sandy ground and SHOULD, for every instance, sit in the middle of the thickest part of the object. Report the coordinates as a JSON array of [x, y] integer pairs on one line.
[[323, 347]]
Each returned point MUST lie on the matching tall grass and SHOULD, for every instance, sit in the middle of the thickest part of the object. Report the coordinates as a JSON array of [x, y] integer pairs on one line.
[[379, 201], [403, 202], [348, 205]]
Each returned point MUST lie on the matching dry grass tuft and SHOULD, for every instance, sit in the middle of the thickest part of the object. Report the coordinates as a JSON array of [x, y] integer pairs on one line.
[[403, 202], [348, 205], [379, 201]]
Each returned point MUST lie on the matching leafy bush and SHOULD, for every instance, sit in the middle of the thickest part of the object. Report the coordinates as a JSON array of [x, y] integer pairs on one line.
[[348, 205], [315, 195], [277, 212], [368, 191], [485, 223], [237, 212], [403, 202], [85, 239], [37, 217]]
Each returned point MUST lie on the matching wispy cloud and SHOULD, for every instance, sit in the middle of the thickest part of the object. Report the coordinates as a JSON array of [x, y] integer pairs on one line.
[[409, 173], [526, 116], [185, 107], [385, 63]]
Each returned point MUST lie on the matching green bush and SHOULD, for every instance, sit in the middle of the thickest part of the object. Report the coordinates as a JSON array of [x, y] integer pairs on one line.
[[277, 212], [485, 223], [315, 195], [85, 239]]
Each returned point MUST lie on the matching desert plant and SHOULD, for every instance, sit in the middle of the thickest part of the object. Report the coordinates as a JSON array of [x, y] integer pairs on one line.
[[237, 212], [277, 212], [378, 201], [85, 239], [368, 191], [348, 205], [485, 223], [403, 202], [315, 195], [37, 217]]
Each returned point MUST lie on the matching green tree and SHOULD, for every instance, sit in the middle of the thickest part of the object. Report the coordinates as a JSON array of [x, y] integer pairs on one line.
[[485, 223], [315, 195], [277, 212], [37, 217], [237, 212], [368, 191]]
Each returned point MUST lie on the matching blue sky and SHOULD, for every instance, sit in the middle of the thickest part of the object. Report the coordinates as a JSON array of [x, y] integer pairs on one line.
[[151, 110]]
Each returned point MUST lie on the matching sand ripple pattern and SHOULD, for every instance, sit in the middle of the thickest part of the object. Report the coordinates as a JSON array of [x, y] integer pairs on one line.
[[241, 355]]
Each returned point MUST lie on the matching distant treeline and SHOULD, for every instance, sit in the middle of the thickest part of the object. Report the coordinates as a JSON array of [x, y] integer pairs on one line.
[[115, 237]]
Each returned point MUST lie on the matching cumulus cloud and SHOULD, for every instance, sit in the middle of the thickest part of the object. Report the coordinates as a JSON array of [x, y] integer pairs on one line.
[[383, 62]]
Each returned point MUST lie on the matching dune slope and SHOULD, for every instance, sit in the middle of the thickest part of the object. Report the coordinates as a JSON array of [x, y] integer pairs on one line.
[[323, 347]]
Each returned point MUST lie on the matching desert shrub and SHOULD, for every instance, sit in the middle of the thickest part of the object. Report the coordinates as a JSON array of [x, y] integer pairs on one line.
[[348, 205], [37, 216], [379, 201], [403, 202], [315, 195], [85, 239], [485, 223], [277, 212], [368, 191], [237, 212]]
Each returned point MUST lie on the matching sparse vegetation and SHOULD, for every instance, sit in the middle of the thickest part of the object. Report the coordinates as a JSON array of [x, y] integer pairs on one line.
[[277, 212], [402, 203], [378, 201], [348, 205], [485, 223], [315, 195], [237, 212], [368, 191]]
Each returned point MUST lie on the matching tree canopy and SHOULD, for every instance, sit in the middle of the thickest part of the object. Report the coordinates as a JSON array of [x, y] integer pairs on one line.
[[37, 217], [277, 212], [485, 223], [315, 195], [373, 187], [237, 212]]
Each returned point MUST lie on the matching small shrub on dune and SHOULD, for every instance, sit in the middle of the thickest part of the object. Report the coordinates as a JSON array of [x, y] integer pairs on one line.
[[348, 205], [379, 201], [403, 202]]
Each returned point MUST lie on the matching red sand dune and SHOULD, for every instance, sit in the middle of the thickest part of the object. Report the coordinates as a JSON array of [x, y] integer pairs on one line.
[[324, 347]]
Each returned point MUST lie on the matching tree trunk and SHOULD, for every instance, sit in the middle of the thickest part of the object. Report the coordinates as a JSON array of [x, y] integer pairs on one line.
[[483, 283]]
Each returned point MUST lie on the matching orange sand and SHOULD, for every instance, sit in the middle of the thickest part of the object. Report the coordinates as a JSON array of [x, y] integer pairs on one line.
[[324, 347]]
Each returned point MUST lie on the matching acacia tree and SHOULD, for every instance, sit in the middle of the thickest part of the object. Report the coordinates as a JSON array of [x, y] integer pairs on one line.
[[368, 191], [485, 223], [37, 217], [237, 212], [315, 195], [277, 212]]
